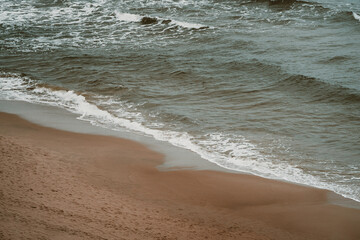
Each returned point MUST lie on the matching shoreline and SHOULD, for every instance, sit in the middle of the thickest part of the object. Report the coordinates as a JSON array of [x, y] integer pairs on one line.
[[61, 119], [175, 158], [63, 185]]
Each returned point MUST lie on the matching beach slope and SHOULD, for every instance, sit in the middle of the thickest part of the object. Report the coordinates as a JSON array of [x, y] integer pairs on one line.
[[61, 185]]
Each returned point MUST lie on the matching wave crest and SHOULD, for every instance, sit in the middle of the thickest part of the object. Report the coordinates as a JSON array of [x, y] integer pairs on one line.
[[319, 90]]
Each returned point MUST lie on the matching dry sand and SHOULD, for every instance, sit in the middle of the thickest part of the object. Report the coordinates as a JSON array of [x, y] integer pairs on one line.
[[61, 185]]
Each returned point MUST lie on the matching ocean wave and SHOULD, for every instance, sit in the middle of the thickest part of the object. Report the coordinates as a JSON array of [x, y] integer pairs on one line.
[[300, 13], [50, 3], [336, 60], [48, 26], [319, 90], [280, 2], [230, 151], [342, 16]]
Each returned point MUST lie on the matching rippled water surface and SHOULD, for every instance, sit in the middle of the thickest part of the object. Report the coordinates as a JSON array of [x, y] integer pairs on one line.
[[255, 86]]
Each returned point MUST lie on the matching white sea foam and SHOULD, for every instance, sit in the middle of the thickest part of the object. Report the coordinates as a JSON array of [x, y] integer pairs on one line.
[[356, 16], [128, 17], [189, 25], [228, 151]]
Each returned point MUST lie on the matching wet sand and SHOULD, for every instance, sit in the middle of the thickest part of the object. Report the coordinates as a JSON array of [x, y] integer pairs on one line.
[[61, 185]]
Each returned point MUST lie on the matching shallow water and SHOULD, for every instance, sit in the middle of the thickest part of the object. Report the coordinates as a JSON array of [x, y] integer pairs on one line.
[[269, 89]]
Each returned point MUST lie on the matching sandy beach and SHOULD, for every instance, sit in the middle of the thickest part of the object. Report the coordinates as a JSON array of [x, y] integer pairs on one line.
[[61, 185]]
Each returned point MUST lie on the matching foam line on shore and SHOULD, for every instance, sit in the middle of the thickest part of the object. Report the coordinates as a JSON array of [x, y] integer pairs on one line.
[[244, 156]]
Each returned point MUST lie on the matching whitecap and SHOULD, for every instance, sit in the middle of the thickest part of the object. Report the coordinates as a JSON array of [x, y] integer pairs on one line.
[[356, 16], [189, 25], [128, 17]]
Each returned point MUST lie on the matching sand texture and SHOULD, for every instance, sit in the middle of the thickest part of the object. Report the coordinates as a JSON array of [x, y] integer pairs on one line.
[[61, 185]]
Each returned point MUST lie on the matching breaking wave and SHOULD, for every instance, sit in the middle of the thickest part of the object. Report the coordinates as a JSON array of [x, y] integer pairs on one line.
[[356, 16], [230, 151]]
